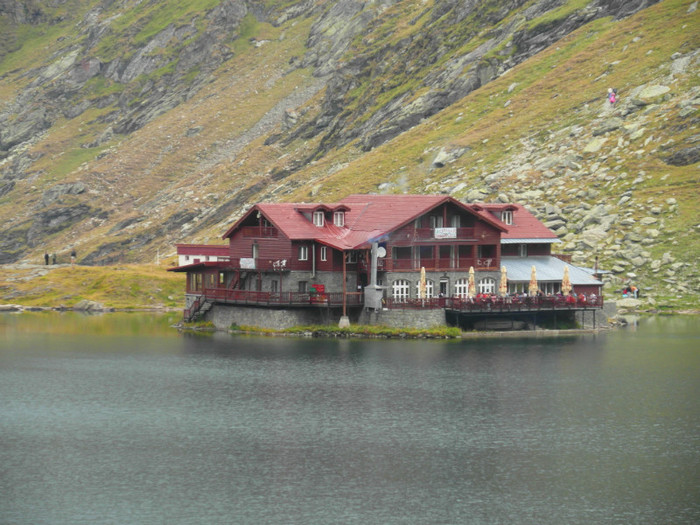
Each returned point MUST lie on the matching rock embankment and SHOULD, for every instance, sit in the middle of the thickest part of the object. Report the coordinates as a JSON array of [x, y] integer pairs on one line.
[[81, 306]]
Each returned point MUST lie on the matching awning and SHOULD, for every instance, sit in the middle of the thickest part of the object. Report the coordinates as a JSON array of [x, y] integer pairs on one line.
[[549, 268]]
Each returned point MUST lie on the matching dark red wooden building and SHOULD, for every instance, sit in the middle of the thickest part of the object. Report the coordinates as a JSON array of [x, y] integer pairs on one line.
[[376, 251]]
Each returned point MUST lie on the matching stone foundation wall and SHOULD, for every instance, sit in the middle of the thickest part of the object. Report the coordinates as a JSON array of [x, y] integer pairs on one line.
[[223, 316], [420, 319]]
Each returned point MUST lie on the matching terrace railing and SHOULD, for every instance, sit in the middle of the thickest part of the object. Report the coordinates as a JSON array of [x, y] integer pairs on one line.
[[259, 231], [245, 297], [443, 233], [440, 264], [498, 304]]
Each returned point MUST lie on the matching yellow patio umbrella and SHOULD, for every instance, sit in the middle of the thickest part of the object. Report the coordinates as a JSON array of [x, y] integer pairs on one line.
[[422, 286], [532, 290], [471, 289], [566, 282], [503, 288]]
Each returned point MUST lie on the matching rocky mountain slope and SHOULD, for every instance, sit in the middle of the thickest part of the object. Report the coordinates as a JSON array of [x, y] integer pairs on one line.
[[127, 126]]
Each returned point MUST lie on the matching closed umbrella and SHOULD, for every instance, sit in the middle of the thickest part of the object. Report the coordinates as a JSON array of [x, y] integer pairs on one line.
[[503, 288], [422, 285], [566, 282], [532, 290], [471, 290]]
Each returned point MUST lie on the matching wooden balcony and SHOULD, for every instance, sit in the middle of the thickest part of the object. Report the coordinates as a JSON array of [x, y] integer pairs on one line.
[[437, 264], [498, 304], [489, 305], [421, 234], [281, 299], [259, 231]]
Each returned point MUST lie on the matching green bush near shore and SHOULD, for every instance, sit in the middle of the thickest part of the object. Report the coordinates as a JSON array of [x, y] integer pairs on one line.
[[368, 331]]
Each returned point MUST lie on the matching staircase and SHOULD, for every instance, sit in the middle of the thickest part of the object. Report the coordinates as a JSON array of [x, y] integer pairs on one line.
[[198, 309]]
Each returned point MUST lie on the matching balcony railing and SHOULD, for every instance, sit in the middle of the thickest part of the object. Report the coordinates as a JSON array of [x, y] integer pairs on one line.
[[498, 304], [443, 233], [259, 231], [245, 297], [439, 264], [476, 305]]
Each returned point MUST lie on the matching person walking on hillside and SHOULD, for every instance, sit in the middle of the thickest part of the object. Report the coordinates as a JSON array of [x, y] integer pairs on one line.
[[53, 258], [612, 96], [72, 257], [46, 258]]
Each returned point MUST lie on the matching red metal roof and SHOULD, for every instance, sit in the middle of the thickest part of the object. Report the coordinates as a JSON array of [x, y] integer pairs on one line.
[[525, 224], [369, 217]]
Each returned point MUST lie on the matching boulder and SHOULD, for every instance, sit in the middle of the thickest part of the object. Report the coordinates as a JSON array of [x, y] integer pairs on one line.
[[88, 306], [650, 94], [608, 126], [10, 308], [684, 156], [447, 156], [54, 193], [594, 145], [628, 304]]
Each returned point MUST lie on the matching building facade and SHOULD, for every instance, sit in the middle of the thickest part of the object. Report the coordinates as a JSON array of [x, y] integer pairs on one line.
[[376, 252]]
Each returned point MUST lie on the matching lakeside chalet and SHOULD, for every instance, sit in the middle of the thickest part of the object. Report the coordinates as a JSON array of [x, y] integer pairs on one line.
[[369, 257]]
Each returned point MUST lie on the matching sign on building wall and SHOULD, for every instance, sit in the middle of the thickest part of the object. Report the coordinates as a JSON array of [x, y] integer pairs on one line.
[[445, 233], [247, 263]]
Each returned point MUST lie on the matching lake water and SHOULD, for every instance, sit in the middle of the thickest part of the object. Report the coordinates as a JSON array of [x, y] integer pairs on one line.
[[120, 419]]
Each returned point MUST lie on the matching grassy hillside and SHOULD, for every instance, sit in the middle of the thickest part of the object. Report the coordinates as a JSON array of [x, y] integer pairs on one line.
[[252, 128], [124, 287]]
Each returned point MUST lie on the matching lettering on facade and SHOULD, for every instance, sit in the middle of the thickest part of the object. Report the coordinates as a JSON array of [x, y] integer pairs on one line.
[[445, 233]]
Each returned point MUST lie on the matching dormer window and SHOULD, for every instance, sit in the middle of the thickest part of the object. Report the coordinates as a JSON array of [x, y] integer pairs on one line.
[[339, 218], [507, 217], [318, 218]]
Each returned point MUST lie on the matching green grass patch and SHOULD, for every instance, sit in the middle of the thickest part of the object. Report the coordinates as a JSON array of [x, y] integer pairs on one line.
[[375, 331], [122, 287], [557, 15]]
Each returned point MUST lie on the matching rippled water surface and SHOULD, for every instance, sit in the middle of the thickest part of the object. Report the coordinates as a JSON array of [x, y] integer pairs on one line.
[[121, 419]]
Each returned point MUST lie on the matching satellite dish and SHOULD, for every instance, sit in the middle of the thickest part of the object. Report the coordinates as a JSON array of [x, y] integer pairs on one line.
[[381, 251]]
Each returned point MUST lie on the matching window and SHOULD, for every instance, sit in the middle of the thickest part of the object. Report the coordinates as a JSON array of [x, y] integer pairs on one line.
[[429, 289], [318, 218], [274, 286], [487, 285], [456, 221], [436, 221], [303, 253], [339, 218], [507, 216], [351, 257], [522, 250], [518, 288], [462, 288], [302, 286], [324, 253], [510, 250], [549, 288], [400, 290], [255, 251]]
